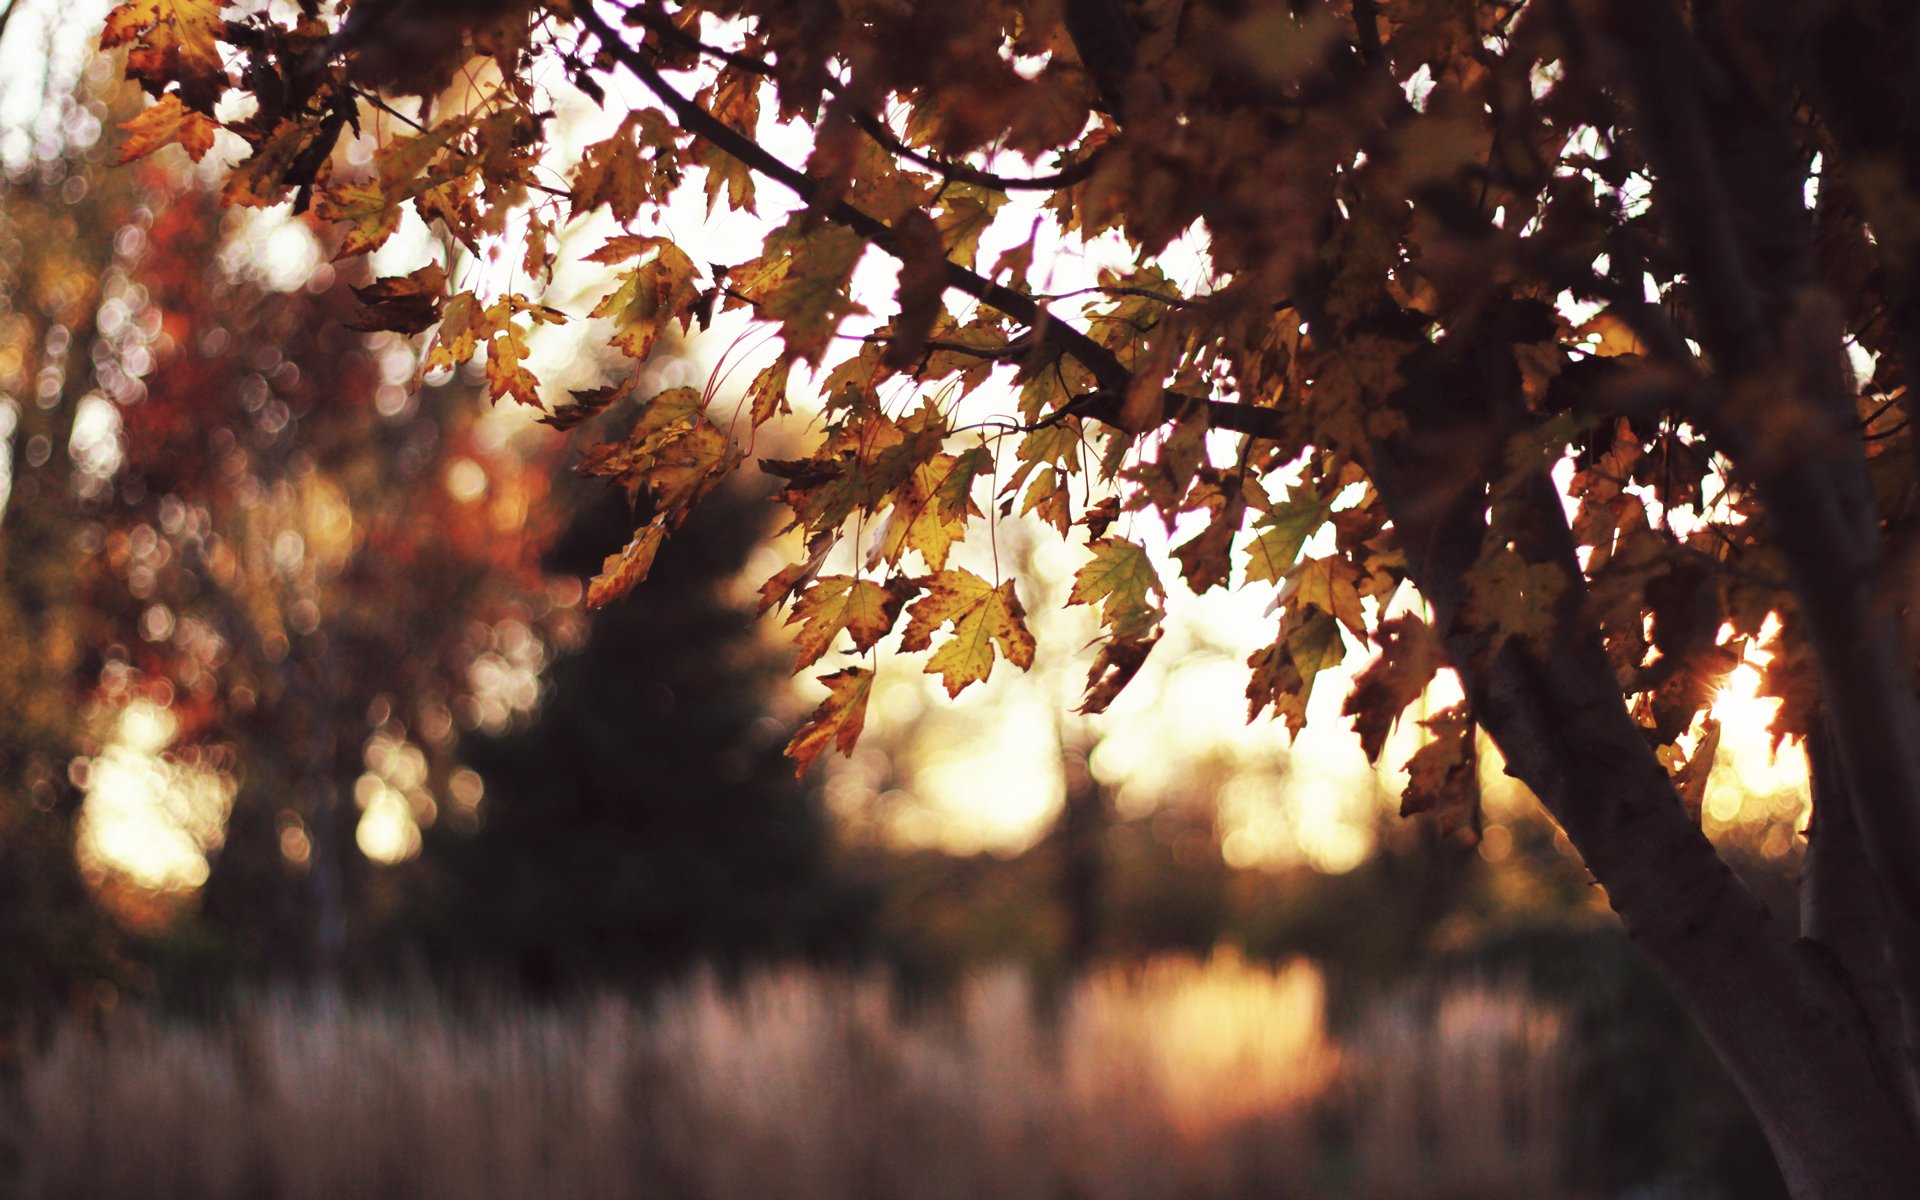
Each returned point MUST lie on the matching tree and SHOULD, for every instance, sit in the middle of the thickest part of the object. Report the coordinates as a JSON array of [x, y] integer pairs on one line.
[[1588, 321], [212, 501], [645, 823]]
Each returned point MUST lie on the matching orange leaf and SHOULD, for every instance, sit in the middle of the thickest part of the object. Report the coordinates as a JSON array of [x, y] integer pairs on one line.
[[837, 721], [981, 615], [863, 608], [164, 122], [622, 571]]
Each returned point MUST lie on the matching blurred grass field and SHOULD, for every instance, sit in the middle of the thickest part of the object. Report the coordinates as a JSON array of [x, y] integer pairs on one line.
[[1173, 1079]]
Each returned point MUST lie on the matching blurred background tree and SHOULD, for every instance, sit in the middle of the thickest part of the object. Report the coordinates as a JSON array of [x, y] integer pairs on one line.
[[647, 821]]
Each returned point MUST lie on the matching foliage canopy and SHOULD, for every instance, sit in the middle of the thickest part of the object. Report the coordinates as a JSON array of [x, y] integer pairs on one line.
[[1587, 318]]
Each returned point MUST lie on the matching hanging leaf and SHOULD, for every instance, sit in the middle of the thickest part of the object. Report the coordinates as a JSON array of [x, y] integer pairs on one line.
[[838, 720], [981, 615]]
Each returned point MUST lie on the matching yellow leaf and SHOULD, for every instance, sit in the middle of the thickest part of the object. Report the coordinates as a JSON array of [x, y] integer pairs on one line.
[[930, 513], [174, 41], [1330, 585], [650, 297], [505, 375], [966, 212], [1118, 579], [1280, 535], [1283, 673], [981, 615], [837, 721], [767, 394], [863, 608], [463, 325], [612, 172], [370, 214], [164, 122], [622, 571], [815, 293]]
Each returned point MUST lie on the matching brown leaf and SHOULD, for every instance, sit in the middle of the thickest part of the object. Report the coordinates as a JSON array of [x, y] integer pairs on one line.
[[1443, 776], [1410, 654], [923, 281], [403, 304]]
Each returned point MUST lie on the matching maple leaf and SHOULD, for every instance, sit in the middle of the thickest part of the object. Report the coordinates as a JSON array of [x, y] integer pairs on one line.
[[865, 609], [505, 375], [1051, 498], [405, 304], [923, 281], [650, 297], [174, 42], [930, 513], [981, 615], [1331, 585], [163, 123], [1283, 673], [464, 324], [1515, 598], [371, 215], [1443, 776], [966, 212], [615, 172], [1119, 660], [815, 291], [1410, 655], [1280, 534], [838, 720], [1119, 580], [1205, 558], [767, 394], [622, 571]]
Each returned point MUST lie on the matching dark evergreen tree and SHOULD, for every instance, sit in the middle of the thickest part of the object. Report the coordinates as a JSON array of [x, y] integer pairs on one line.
[[647, 821]]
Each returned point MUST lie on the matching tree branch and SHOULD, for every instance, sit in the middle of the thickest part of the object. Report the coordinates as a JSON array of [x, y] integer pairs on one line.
[[872, 125], [1018, 305]]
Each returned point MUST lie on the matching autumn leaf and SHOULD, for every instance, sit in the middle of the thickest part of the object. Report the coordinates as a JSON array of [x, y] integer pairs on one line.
[[1280, 534], [767, 394], [174, 42], [1331, 585], [163, 123], [838, 720], [615, 172], [1205, 558], [931, 511], [1119, 580], [505, 375], [1283, 673], [649, 298], [1119, 660], [966, 211], [588, 404], [923, 281], [1410, 655], [1443, 776], [1515, 598], [982, 616], [464, 324], [815, 291], [865, 609], [369, 213], [622, 571], [404, 304]]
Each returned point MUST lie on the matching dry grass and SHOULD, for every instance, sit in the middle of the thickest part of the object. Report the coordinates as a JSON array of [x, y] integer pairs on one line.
[[1175, 1080]]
